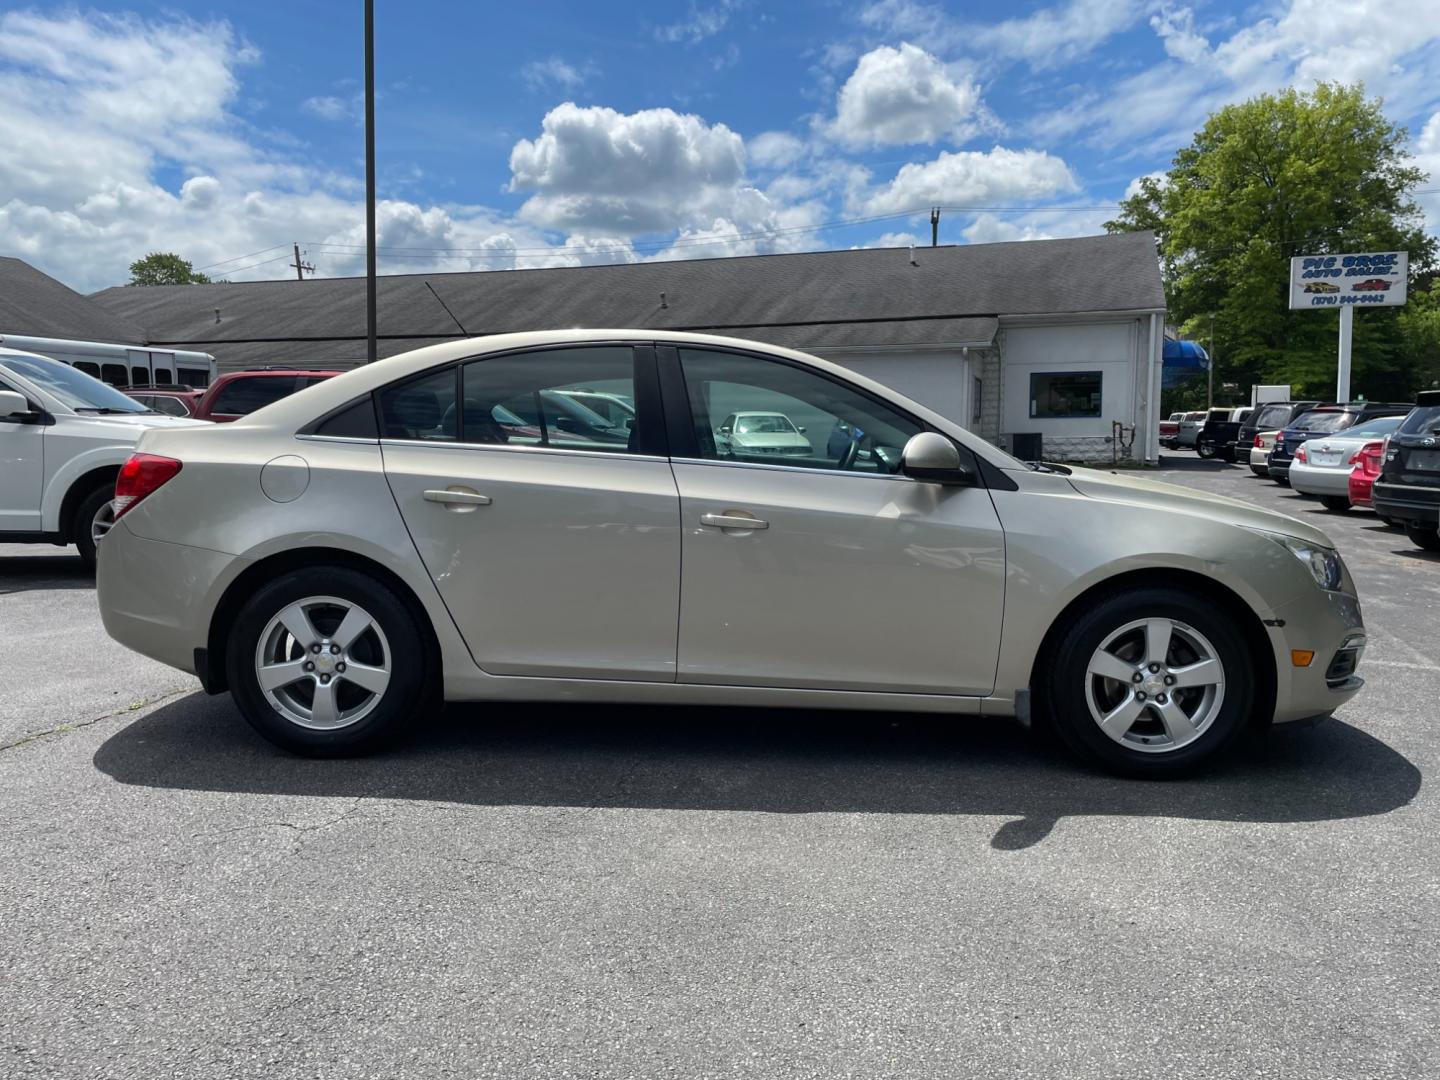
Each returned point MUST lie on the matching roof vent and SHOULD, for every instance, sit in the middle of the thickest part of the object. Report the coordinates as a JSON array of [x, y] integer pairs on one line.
[[217, 314], [912, 256], [663, 302]]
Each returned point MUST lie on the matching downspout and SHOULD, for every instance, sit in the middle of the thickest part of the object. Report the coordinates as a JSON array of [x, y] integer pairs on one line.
[[1152, 427]]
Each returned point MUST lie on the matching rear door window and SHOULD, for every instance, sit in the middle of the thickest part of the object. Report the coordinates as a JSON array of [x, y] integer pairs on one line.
[[1273, 417], [1319, 420], [1423, 420]]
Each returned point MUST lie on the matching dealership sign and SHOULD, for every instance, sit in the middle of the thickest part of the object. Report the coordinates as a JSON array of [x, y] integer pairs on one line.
[[1375, 279]]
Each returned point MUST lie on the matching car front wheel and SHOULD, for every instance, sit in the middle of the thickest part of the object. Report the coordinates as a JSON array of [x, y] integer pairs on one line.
[[328, 663], [1421, 537], [1151, 683], [93, 519]]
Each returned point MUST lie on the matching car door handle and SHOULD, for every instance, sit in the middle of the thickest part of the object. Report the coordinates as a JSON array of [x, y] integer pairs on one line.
[[732, 521], [458, 498]]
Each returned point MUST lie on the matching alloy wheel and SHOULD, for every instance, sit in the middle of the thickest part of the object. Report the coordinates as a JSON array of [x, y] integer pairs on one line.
[[323, 663], [1155, 685], [102, 523]]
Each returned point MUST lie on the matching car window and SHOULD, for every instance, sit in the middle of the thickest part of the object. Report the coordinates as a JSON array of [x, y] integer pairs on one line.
[[422, 409], [168, 405], [1322, 420], [1422, 420], [72, 386], [244, 396], [545, 399], [1375, 429], [782, 414], [1273, 417]]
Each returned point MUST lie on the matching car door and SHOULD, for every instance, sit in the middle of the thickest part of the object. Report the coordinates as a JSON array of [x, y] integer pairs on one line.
[[831, 570], [556, 548], [22, 470]]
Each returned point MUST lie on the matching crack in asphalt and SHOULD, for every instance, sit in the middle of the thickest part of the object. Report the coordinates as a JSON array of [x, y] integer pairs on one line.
[[76, 725]]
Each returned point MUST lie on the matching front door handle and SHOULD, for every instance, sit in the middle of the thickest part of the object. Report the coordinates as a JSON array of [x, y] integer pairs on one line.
[[457, 498], [733, 521]]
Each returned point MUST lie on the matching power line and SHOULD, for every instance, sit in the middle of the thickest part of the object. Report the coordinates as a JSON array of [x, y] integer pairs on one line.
[[238, 258]]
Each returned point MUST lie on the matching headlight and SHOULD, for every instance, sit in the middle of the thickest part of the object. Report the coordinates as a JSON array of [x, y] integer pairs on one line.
[[1324, 564]]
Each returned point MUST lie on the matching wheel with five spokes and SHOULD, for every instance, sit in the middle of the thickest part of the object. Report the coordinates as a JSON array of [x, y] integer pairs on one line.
[[1151, 683], [327, 662]]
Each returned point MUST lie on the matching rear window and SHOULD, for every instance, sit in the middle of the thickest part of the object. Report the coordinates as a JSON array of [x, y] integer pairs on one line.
[[1321, 420], [1423, 420], [1375, 429], [244, 396], [1273, 417]]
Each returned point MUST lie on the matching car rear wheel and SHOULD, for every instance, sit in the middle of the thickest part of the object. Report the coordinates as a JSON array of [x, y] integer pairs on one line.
[[328, 663], [1205, 449], [93, 519], [1151, 683], [1337, 504], [1421, 537]]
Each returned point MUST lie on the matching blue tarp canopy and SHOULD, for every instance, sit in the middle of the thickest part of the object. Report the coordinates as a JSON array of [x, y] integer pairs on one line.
[[1182, 359]]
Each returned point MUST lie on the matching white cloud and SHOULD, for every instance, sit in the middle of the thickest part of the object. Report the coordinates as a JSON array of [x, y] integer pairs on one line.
[[1176, 28], [1133, 188], [555, 72], [701, 21], [972, 176], [903, 96], [632, 174], [775, 149], [1047, 38], [989, 229], [1427, 157], [330, 107]]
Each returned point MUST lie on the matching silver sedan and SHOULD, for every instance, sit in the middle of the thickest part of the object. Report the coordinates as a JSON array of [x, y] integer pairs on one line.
[[432, 527]]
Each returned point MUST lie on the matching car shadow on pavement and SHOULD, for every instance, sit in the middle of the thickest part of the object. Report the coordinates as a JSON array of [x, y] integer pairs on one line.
[[783, 762], [1193, 464], [28, 573]]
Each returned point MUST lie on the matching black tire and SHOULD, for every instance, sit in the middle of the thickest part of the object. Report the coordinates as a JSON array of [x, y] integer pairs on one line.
[[1423, 537], [1065, 684], [1389, 523], [83, 520], [1336, 504], [1205, 450], [409, 695], [1228, 455]]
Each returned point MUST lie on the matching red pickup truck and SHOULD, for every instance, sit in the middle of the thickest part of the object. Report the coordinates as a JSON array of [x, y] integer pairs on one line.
[[232, 395]]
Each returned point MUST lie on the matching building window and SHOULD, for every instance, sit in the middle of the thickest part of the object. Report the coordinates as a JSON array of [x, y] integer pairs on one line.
[[1059, 395]]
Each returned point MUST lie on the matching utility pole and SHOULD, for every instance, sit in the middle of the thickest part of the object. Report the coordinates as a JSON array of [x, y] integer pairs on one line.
[[934, 226], [369, 181], [300, 267], [1342, 375]]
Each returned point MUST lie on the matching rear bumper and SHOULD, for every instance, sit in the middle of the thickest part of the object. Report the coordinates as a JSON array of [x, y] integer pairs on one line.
[[157, 598], [1278, 470], [1409, 503], [1312, 481]]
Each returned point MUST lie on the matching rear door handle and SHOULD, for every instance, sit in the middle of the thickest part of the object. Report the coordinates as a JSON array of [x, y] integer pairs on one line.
[[732, 521], [457, 498]]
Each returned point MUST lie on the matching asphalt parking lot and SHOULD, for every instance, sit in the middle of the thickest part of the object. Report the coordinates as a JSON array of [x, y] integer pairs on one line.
[[591, 892]]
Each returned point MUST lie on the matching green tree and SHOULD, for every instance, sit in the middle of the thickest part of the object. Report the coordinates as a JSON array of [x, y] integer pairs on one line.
[[164, 268], [1281, 175], [1420, 334]]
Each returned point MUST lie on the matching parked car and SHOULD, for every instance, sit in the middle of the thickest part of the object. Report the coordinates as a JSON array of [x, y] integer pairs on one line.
[[1274, 416], [1408, 488], [1365, 468], [1220, 433], [751, 434], [1374, 284], [239, 393], [63, 437], [1190, 424], [1324, 420], [1321, 466], [1170, 432], [1260, 453], [338, 592], [1321, 287], [170, 400]]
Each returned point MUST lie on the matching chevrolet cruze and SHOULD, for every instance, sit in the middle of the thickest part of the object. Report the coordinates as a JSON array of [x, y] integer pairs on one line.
[[436, 526]]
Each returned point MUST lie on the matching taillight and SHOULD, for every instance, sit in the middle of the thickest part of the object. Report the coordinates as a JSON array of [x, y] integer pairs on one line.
[[140, 476], [1300, 453], [1259, 442], [1369, 458]]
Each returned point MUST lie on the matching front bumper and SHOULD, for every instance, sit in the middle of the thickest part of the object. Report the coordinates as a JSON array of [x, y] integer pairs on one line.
[[1329, 626], [157, 598], [1410, 503]]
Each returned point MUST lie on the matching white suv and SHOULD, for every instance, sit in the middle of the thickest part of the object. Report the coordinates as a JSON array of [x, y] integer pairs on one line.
[[63, 438]]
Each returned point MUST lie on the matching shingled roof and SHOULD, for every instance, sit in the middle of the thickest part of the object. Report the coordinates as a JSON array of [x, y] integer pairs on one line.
[[873, 296], [34, 304]]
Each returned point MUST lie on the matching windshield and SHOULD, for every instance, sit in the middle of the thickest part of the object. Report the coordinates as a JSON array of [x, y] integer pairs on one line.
[[1423, 420], [751, 425], [74, 388], [1323, 420]]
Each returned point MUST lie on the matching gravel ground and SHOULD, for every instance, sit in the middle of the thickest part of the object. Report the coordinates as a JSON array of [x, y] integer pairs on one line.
[[541, 892]]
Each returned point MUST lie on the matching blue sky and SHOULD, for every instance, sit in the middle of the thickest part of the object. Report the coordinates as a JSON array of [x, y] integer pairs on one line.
[[548, 133]]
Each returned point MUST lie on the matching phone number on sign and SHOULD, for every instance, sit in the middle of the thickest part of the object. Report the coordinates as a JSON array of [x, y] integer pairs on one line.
[[1354, 298]]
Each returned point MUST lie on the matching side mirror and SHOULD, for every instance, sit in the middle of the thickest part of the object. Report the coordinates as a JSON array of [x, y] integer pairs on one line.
[[14, 408], [725, 430], [801, 429], [933, 458]]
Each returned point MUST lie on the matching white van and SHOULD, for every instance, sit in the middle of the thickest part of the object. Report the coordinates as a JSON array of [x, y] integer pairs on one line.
[[122, 366]]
